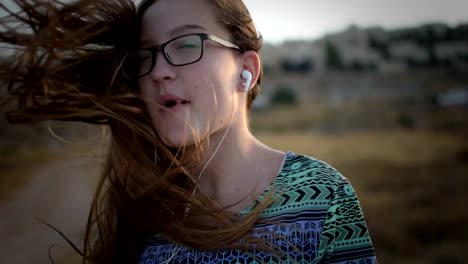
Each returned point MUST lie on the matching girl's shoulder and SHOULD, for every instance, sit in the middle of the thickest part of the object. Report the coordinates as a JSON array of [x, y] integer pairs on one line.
[[300, 170], [304, 184]]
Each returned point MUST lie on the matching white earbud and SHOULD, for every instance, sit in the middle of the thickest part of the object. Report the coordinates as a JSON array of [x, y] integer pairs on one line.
[[247, 76]]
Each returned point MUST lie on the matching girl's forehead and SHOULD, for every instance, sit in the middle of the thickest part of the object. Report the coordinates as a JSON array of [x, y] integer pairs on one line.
[[166, 19], [165, 15]]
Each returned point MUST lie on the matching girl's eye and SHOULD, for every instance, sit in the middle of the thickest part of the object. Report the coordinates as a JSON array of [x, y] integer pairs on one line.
[[187, 45]]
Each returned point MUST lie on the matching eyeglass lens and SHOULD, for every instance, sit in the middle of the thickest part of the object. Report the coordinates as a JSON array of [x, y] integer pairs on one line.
[[180, 51]]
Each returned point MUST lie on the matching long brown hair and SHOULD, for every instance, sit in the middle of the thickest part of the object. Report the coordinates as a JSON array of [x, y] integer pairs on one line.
[[65, 66]]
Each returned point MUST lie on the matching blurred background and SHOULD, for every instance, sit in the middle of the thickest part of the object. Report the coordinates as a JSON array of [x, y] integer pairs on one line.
[[377, 89]]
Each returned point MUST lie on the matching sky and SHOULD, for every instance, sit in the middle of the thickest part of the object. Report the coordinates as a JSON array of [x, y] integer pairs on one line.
[[280, 20]]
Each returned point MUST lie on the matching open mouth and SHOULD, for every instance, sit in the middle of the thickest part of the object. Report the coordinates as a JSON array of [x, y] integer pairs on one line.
[[173, 103]]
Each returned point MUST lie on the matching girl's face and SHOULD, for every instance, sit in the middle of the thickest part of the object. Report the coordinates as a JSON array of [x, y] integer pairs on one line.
[[188, 103]]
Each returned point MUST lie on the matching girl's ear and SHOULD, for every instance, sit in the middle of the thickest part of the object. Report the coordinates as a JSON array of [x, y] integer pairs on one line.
[[251, 62]]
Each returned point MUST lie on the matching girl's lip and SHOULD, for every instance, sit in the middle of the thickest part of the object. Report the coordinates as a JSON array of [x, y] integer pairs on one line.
[[170, 100], [169, 97]]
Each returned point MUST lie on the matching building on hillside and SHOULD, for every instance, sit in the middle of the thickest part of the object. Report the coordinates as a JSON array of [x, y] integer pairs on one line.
[[354, 49], [451, 51], [271, 54], [408, 51], [373, 49], [294, 53]]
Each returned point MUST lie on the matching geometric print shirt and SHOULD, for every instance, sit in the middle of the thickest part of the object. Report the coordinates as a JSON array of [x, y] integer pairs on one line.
[[316, 216]]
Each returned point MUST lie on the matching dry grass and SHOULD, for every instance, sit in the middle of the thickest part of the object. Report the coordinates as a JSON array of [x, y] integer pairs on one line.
[[401, 147], [18, 163], [17, 166]]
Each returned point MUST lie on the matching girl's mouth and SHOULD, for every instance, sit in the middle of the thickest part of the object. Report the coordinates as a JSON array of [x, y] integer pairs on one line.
[[173, 103]]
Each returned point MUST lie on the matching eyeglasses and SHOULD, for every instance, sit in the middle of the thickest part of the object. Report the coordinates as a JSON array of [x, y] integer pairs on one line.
[[179, 51]]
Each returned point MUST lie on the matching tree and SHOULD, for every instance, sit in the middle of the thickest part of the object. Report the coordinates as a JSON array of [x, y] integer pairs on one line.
[[284, 95], [304, 65], [333, 56], [380, 46]]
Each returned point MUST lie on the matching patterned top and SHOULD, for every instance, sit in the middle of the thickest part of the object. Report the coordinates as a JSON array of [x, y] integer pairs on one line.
[[317, 217]]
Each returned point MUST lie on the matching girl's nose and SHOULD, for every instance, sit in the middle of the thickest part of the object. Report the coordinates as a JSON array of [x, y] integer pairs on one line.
[[162, 69]]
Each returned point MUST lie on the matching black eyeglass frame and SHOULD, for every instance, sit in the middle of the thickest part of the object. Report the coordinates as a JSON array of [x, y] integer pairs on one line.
[[162, 47]]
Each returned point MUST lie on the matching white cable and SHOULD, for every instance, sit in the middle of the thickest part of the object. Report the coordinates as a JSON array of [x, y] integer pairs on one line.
[[187, 208], [174, 253]]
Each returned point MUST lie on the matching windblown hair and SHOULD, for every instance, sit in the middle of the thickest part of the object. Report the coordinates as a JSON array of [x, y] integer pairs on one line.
[[62, 62]]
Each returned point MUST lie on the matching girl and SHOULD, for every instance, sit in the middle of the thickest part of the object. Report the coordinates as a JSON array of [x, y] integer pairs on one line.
[[185, 181]]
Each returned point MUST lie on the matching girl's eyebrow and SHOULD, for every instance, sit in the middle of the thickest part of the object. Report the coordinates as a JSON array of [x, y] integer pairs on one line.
[[174, 33], [179, 30]]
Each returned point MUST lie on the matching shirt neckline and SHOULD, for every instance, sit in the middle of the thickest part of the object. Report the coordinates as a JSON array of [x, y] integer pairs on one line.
[[287, 157]]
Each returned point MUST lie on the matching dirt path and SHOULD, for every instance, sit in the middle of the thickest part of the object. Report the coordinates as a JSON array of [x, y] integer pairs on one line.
[[60, 194]]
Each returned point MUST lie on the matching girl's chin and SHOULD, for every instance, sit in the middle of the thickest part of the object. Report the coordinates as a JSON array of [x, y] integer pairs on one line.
[[175, 141]]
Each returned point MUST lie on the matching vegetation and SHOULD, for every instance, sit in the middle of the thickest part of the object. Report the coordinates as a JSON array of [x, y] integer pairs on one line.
[[381, 46], [284, 95], [333, 56], [406, 121], [303, 66]]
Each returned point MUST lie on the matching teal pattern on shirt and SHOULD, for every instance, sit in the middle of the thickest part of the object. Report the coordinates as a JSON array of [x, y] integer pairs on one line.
[[316, 215]]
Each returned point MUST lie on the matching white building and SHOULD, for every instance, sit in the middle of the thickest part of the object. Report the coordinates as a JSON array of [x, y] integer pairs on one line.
[[451, 50], [408, 50], [353, 46]]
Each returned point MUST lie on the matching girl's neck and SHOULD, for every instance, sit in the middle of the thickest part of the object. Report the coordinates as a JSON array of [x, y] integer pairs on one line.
[[240, 168]]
